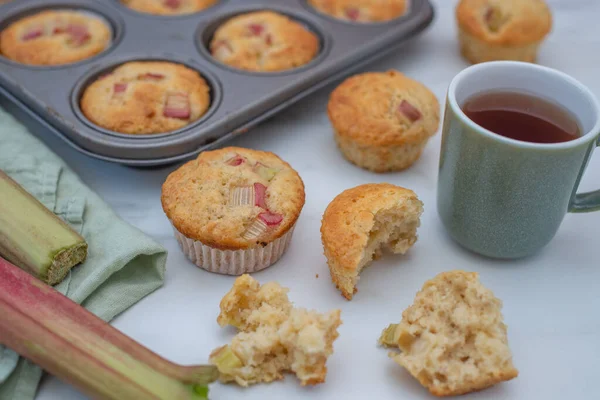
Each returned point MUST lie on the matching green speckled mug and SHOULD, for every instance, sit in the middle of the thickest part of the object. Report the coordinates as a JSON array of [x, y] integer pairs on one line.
[[505, 198]]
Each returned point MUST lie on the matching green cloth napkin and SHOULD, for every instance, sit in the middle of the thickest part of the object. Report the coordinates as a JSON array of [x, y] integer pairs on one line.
[[123, 264]]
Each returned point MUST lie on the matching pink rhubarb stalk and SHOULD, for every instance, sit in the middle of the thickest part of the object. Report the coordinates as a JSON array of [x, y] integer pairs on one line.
[[76, 346]]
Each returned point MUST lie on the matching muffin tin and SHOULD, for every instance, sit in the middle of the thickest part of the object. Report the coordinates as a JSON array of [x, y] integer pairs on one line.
[[239, 99]]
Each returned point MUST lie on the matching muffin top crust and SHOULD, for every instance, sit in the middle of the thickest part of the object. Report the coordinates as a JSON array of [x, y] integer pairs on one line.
[[146, 97], [363, 11], [55, 38], [505, 22], [169, 7], [264, 41], [383, 108], [233, 198]]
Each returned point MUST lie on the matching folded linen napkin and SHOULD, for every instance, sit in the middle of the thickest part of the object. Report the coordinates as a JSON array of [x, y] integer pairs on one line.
[[123, 264]]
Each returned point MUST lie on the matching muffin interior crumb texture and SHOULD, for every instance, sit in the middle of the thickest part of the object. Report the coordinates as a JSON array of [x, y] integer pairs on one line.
[[274, 337], [169, 7], [362, 223], [146, 97], [264, 41], [453, 339], [55, 37], [362, 11]]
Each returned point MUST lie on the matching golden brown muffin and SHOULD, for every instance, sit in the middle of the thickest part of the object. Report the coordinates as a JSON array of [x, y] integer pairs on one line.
[[55, 38], [453, 339], [363, 221], [502, 29], [169, 7], [383, 120], [233, 210], [146, 97], [364, 11], [275, 337], [264, 41]]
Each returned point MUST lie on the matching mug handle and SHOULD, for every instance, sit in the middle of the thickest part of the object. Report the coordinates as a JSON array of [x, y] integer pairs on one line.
[[586, 202]]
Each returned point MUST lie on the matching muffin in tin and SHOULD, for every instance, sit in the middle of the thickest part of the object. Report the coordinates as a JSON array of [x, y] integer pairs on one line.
[[383, 120], [55, 37], [233, 210], [264, 41], [363, 11], [169, 7], [146, 97], [491, 30]]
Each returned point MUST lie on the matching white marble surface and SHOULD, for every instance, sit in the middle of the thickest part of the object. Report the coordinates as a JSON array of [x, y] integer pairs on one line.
[[551, 300]]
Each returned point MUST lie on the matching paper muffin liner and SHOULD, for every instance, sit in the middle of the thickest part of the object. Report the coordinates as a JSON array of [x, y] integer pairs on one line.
[[234, 262]]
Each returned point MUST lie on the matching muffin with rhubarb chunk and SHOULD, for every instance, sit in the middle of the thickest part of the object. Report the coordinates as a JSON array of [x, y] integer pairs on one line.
[[55, 38], [275, 337], [146, 97], [169, 7], [363, 11], [362, 222], [491, 30], [453, 339], [383, 120], [234, 210], [264, 41]]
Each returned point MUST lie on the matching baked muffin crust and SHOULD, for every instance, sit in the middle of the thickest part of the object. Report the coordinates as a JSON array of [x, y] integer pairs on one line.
[[505, 22], [233, 198], [363, 11], [146, 97], [264, 41], [382, 120], [55, 38], [169, 7], [360, 222]]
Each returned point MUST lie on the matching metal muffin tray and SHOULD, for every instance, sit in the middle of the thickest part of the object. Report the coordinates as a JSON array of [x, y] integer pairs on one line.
[[240, 99]]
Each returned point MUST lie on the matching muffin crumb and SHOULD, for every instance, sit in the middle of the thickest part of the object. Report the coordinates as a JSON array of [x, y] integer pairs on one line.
[[453, 339]]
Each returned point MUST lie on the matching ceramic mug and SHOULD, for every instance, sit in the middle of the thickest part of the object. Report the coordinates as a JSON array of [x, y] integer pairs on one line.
[[505, 198]]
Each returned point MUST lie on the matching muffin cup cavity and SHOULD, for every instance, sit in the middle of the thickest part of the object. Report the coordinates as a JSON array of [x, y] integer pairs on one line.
[[107, 16], [234, 262], [80, 87], [205, 33]]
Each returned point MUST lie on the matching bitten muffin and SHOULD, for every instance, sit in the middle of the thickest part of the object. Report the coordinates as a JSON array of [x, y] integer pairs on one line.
[[362, 222], [169, 7], [264, 41], [55, 38], [453, 339], [275, 336], [364, 11], [233, 210], [502, 29], [383, 120], [146, 98]]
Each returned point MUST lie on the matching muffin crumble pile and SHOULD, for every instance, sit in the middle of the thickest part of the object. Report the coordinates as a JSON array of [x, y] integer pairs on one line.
[[274, 338]]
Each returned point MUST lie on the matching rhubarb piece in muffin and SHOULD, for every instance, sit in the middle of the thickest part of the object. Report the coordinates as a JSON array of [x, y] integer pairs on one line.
[[364, 11], [264, 41], [233, 210], [146, 98], [55, 38], [502, 29], [275, 336], [169, 7], [362, 222], [453, 339], [383, 120]]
